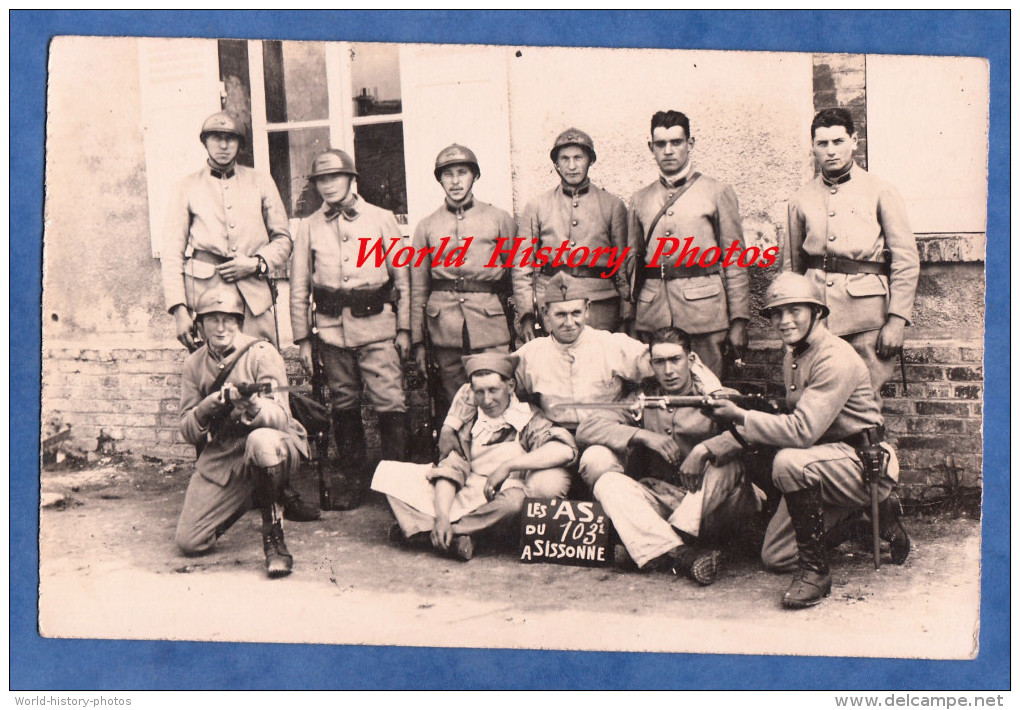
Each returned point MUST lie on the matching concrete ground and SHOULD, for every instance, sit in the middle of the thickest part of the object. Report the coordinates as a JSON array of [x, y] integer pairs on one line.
[[109, 569]]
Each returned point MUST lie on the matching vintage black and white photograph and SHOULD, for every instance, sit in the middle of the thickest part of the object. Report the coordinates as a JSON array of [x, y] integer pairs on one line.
[[508, 346]]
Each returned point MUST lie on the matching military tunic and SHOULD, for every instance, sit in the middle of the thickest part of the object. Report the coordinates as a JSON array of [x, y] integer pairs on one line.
[[858, 217], [830, 396], [587, 217], [647, 514], [706, 304], [487, 443], [214, 216], [222, 483], [326, 251], [460, 322]]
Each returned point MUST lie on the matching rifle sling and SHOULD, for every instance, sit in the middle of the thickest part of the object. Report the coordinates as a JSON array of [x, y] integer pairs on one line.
[[655, 222]]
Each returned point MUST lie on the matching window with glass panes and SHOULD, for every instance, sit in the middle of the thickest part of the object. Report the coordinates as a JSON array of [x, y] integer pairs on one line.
[[302, 98]]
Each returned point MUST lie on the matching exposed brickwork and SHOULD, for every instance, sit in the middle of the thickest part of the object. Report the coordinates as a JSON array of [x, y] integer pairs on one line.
[[840, 82], [935, 425], [132, 396]]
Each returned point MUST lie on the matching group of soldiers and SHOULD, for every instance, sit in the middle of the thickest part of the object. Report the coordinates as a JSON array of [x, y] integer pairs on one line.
[[587, 404]]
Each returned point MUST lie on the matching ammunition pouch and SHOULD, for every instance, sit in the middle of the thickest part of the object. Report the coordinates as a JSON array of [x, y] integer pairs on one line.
[[874, 457], [363, 303]]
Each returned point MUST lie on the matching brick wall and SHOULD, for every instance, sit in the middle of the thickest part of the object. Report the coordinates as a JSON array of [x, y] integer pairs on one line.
[[935, 426], [130, 397]]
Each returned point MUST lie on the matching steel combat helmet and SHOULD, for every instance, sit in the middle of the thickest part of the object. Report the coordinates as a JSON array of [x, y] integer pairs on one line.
[[333, 162], [220, 299], [573, 136], [222, 122], [792, 288], [455, 154]]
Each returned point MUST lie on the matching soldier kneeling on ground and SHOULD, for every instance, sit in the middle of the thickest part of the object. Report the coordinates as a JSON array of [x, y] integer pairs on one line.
[[248, 443], [831, 444]]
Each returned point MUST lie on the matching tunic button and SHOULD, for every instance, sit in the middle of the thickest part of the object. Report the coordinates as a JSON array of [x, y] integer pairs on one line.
[[668, 430], [233, 248], [347, 258], [573, 244], [668, 232], [346, 278], [575, 204], [832, 214], [832, 238], [793, 387], [231, 224], [229, 206], [574, 222], [828, 283], [833, 191], [345, 239], [462, 300], [460, 216], [670, 194], [793, 366], [670, 213]]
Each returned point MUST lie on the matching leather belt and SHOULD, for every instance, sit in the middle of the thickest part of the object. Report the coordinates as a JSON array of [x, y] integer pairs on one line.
[[207, 257], [834, 264], [684, 272], [467, 285], [580, 272], [362, 302], [866, 438]]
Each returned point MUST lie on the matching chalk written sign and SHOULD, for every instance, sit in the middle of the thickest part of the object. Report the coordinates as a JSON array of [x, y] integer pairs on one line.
[[565, 532]]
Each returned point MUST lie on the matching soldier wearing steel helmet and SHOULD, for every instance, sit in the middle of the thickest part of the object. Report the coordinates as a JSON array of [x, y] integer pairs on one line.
[[834, 425], [359, 315], [578, 212], [461, 307], [249, 444], [225, 224], [226, 227]]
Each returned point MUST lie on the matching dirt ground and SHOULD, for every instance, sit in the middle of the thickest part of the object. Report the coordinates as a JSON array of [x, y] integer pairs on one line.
[[109, 569]]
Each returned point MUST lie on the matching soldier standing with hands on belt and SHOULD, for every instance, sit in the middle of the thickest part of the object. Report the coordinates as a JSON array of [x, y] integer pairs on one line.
[[459, 308], [850, 235], [226, 227], [710, 302], [578, 212], [362, 317]]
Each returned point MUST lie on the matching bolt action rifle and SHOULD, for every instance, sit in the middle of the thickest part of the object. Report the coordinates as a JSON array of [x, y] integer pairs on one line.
[[754, 402]]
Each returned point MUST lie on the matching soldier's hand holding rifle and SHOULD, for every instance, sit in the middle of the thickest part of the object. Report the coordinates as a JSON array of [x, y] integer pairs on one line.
[[306, 354], [723, 410]]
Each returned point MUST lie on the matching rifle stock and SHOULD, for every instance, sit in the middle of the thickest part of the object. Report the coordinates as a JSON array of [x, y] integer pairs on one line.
[[754, 402]]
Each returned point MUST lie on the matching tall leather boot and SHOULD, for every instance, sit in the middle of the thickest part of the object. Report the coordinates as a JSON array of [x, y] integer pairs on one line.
[[891, 529], [812, 582], [349, 431], [269, 484], [393, 435]]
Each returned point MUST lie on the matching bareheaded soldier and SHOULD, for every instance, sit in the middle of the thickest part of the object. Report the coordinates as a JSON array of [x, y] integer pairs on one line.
[[358, 316], [850, 235], [709, 302], [225, 224], [584, 215], [459, 307]]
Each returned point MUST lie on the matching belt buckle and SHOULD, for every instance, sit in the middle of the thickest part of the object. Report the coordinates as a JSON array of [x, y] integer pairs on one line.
[[458, 284], [827, 262]]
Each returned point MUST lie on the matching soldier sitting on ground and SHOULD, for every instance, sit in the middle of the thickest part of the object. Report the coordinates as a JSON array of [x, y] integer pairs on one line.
[[510, 452], [249, 444], [664, 450]]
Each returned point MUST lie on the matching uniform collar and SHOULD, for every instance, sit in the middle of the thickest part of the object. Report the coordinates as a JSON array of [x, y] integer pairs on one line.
[[572, 191], [516, 415], [221, 356], [839, 179], [678, 180], [221, 173], [462, 207], [348, 207], [571, 346]]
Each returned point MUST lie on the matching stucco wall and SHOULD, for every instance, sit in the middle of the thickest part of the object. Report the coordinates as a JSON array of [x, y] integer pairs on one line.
[[100, 280]]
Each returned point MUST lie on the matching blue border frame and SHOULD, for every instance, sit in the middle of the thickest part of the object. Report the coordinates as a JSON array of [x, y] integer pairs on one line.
[[37, 663]]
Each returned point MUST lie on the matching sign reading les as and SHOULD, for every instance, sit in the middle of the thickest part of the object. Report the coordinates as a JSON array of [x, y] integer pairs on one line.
[[565, 532]]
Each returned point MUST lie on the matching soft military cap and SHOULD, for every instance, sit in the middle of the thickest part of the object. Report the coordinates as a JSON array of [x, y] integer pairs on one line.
[[562, 287], [790, 287], [573, 136], [499, 363], [220, 299]]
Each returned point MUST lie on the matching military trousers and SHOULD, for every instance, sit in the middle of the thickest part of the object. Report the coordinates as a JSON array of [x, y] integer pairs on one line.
[[375, 365]]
